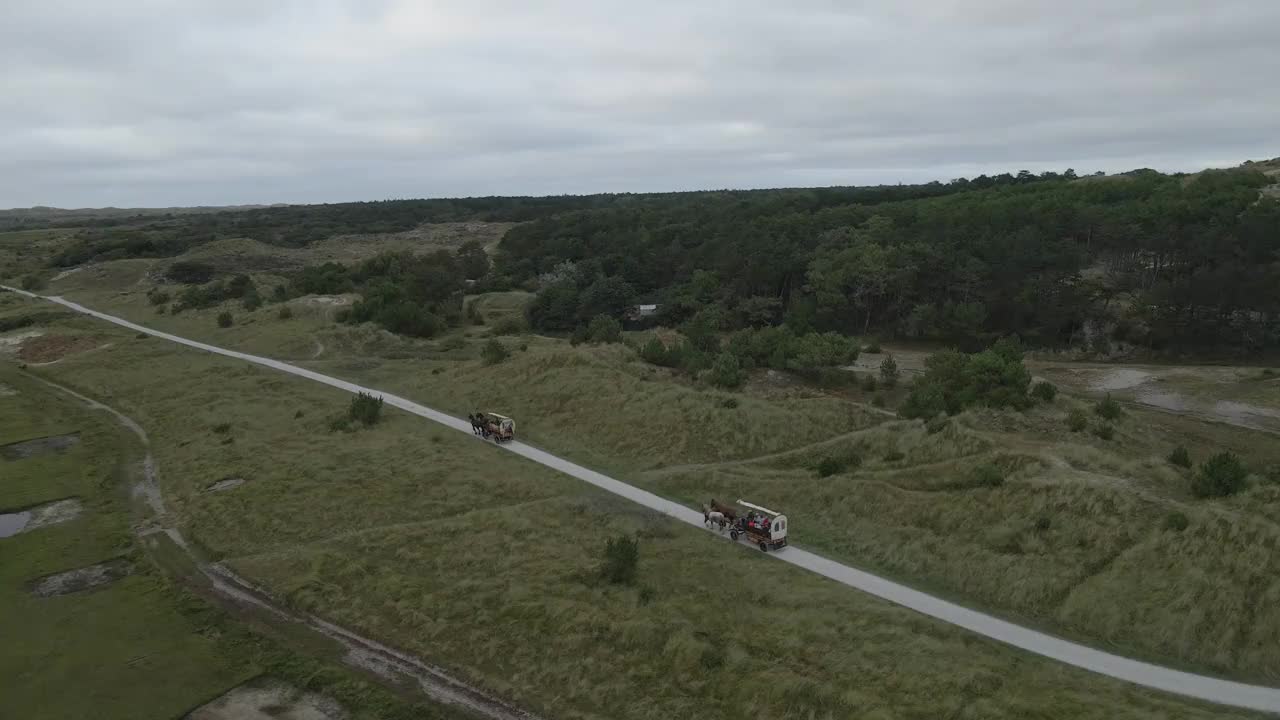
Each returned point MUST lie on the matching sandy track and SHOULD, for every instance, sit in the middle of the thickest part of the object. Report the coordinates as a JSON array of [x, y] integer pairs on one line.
[[1203, 687]]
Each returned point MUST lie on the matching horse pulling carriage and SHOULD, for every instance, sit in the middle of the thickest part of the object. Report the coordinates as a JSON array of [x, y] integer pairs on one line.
[[492, 426], [760, 525]]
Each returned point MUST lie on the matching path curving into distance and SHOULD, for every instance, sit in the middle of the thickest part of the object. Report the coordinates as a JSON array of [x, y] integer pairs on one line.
[[1203, 687]]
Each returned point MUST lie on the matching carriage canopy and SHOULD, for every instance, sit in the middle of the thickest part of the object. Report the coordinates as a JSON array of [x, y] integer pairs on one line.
[[778, 521]]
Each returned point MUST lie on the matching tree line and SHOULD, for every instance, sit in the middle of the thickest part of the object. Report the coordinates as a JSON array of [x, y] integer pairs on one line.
[[1161, 261]]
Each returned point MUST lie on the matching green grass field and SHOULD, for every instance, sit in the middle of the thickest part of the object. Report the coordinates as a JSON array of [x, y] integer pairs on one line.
[[432, 541], [119, 651]]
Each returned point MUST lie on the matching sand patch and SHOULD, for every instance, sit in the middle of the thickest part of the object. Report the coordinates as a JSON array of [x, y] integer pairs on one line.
[[225, 484], [81, 579], [10, 343], [6, 391], [1120, 379], [39, 446], [269, 700]]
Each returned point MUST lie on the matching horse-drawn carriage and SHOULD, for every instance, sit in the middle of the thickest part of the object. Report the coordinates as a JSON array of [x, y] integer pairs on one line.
[[492, 426], [760, 525]]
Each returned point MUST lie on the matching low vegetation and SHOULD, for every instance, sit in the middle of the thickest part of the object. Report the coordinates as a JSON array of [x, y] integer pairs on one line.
[[1219, 476], [953, 381], [365, 409]]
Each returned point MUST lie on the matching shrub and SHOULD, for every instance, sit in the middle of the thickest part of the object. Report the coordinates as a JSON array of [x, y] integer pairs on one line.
[[365, 409], [156, 296], [190, 273], [1044, 391], [1176, 521], [578, 336], [829, 466], [454, 342], [1108, 409], [621, 559], [251, 299], [224, 319], [509, 326], [222, 428], [1180, 457], [1106, 432], [494, 352], [729, 403], [162, 309], [726, 372], [873, 346], [1077, 421], [473, 314], [1272, 474], [889, 371], [340, 424], [285, 313], [280, 294], [1222, 475], [878, 401], [986, 475], [604, 329], [33, 283], [894, 456], [868, 383], [1043, 523], [646, 595], [937, 424]]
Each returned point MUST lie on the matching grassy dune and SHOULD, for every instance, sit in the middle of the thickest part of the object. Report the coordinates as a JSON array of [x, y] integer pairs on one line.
[[438, 543]]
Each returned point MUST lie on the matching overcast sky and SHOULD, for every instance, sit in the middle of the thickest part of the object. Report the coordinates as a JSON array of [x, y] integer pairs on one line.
[[157, 103]]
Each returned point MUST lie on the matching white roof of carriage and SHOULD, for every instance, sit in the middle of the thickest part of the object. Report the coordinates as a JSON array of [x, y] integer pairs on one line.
[[765, 510]]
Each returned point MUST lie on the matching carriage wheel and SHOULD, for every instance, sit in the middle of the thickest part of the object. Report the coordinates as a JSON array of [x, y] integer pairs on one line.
[[733, 535], [764, 547]]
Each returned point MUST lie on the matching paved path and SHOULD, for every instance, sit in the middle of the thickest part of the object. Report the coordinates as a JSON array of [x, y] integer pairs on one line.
[[1212, 689]]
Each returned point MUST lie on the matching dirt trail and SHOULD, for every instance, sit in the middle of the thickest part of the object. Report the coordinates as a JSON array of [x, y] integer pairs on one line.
[[361, 652], [1212, 689]]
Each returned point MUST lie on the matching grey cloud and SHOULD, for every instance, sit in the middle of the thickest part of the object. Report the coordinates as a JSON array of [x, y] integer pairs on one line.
[[162, 102]]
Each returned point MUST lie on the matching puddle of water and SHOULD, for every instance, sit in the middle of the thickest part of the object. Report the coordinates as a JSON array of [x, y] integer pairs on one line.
[[13, 523], [1243, 410], [38, 446], [1120, 379]]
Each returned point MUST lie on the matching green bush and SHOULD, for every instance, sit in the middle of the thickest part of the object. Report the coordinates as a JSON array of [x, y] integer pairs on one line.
[[878, 401], [1176, 521], [222, 428], [188, 272], [33, 283], [251, 300], [494, 352], [280, 294], [1044, 391], [621, 560], [873, 346], [1222, 475], [889, 371], [604, 329], [1104, 431], [1108, 408], [509, 326], [829, 466], [578, 336], [224, 319], [937, 424], [868, 383], [1180, 457], [1043, 523], [1077, 421], [365, 409], [285, 313], [454, 342], [986, 475], [894, 456], [156, 296], [952, 381], [729, 403], [726, 372]]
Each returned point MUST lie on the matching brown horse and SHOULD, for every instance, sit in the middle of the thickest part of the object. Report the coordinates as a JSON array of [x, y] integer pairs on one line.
[[731, 513]]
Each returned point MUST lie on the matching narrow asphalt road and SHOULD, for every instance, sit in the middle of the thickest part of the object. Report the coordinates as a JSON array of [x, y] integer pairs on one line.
[[1226, 692]]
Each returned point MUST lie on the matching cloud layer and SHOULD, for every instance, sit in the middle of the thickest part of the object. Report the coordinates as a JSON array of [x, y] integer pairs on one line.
[[173, 102]]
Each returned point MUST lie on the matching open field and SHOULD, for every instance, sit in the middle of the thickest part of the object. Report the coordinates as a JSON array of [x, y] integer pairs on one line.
[[1075, 540], [362, 528]]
